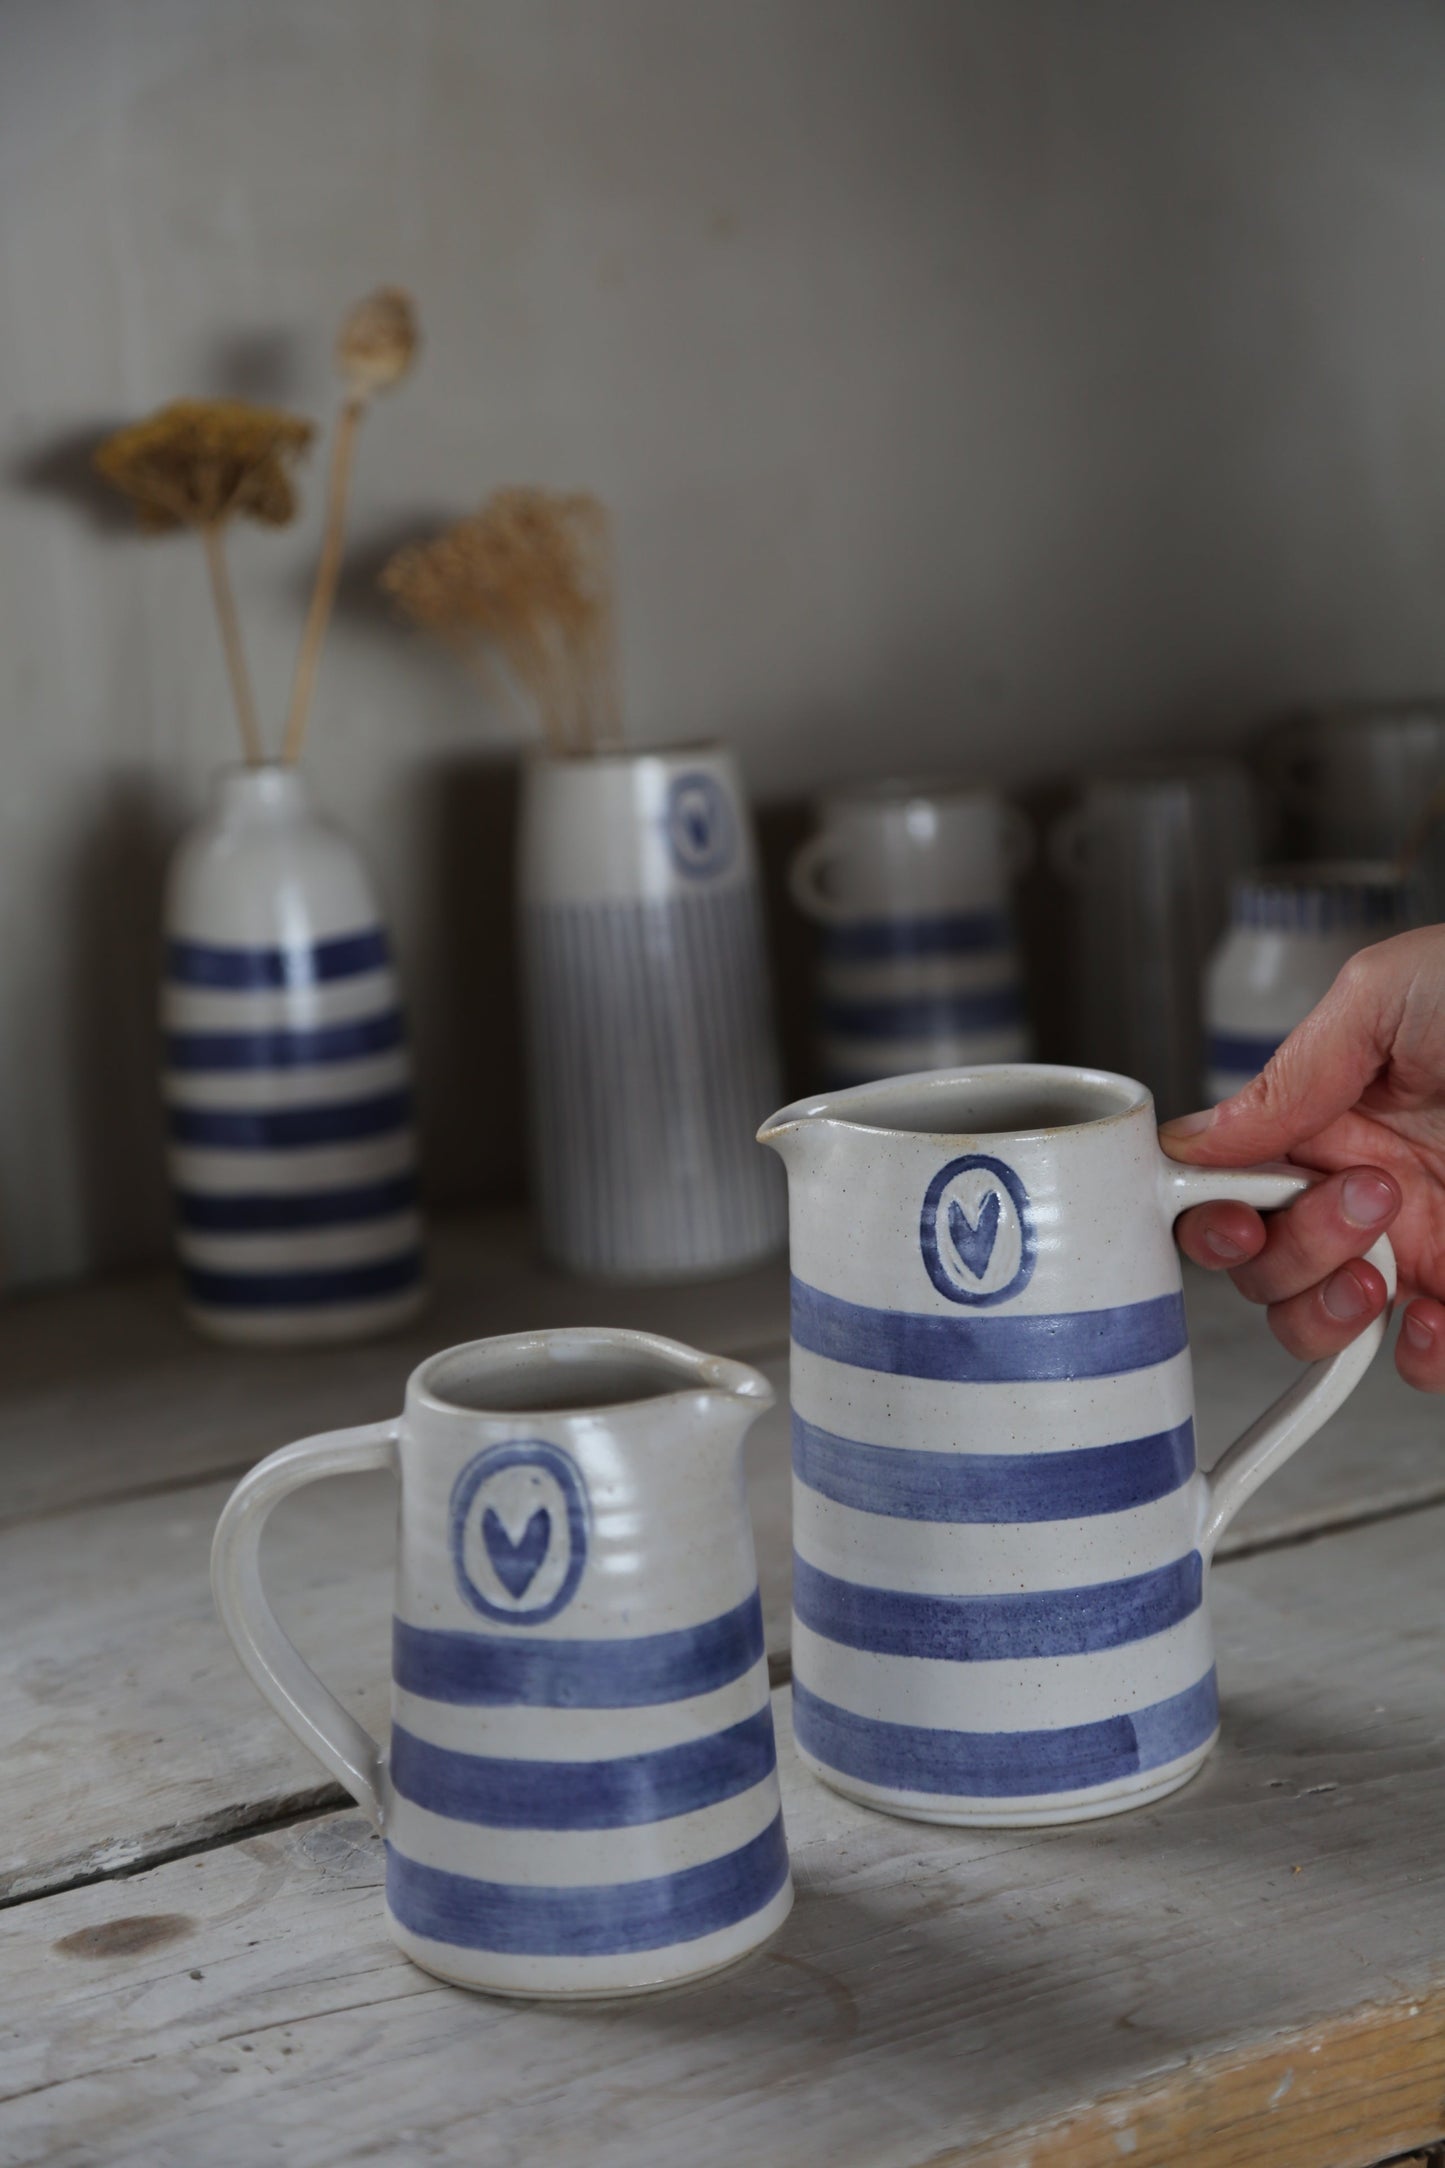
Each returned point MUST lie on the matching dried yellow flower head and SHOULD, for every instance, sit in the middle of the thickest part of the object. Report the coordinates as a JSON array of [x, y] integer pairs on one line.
[[377, 343], [530, 574], [199, 462]]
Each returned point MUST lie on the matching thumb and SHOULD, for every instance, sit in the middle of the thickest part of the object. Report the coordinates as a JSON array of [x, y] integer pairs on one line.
[[1314, 1077]]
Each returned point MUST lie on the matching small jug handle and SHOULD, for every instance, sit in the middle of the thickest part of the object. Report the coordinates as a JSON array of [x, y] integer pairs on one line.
[[805, 878], [290, 1685], [1321, 1388]]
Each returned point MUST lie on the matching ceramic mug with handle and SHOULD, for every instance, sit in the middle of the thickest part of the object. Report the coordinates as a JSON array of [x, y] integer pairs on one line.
[[909, 884], [580, 1796], [1002, 1539]]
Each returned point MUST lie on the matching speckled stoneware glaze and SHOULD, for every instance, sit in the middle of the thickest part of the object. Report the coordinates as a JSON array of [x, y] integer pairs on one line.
[[1001, 1537], [580, 1796]]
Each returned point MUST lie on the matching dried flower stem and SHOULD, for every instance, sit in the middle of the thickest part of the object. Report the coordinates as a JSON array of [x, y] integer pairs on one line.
[[328, 571], [214, 545]]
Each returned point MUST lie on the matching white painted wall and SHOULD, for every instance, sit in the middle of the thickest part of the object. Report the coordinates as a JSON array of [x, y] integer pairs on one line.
[[995, 382]]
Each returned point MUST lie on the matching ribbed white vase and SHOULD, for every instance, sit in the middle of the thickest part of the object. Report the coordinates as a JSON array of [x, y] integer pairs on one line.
[[286, 1077], [649, 1015]]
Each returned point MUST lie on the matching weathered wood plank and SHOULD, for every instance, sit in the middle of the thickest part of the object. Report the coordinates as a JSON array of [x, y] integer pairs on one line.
[[105, 1391], [1255, 1969], [131, 1728]]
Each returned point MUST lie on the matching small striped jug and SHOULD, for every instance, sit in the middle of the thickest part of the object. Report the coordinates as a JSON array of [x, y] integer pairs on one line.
[[580, 1795], [1001, 1537]]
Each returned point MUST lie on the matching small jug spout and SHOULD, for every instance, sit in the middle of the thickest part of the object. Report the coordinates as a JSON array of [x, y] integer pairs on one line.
[[796, 1133]]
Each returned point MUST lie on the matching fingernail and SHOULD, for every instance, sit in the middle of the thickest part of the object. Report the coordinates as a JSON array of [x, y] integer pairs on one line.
[[1367, 1199], [1418, 1333], [1188, 1125], [1344, 1298], [1228, 1253]]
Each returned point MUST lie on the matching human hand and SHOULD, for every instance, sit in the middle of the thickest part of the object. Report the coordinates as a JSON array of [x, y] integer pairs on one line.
[[1357, 1092]]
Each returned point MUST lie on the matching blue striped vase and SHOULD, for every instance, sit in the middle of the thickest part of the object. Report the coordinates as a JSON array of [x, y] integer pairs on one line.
[[650, 1033], [1292, 930], [919, 966], [1001, 1535], [286, 1078], [581, 1792]]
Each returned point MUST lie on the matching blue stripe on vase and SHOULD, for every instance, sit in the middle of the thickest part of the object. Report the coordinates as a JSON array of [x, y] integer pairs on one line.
[[205, 963], [303, 1290], [990, 1629], [495, 1671], [591, 1920], [254, 1212], [279, 1129], [614, 1794], [1245, 1053], [1005, 1764], [990, 1350], [992, 1487], [284, 1049], [922, 1016], [884, 940]]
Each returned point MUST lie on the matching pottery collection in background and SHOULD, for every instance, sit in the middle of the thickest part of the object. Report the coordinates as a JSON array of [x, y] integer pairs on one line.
[[1151, 852], [646, 986], [909, 884], [1001, 1536], [580, 1796], [286, 1078], [1292, 930]]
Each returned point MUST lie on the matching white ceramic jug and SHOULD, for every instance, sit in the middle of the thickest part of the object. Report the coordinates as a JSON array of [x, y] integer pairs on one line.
[[580, 1795], [1001, 1537], [909, 884]]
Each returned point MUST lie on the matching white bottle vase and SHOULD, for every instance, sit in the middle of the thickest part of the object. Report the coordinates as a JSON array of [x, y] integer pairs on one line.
[[649, 1017], [286, 1077]]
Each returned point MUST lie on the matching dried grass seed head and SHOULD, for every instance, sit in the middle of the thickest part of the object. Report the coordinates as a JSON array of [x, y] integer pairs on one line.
[[378, 341], [200, 462]]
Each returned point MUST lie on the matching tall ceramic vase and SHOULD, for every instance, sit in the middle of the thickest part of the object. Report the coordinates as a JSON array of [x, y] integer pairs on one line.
[[649, 1016], [286, 1077]]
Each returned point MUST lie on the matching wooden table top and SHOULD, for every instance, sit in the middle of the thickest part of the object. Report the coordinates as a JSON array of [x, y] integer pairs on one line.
[[194, 1967]]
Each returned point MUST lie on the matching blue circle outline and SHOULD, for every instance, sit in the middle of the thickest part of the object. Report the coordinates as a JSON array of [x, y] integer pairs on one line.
[[928, 1231], [519, 1453], [724, 847]]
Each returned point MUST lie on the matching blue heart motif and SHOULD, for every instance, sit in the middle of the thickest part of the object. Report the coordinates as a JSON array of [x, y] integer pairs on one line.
[[516, 1564], [974, 1240]]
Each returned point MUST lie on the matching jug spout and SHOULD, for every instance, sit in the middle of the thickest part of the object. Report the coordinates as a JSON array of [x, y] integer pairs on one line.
[[797, 1133]]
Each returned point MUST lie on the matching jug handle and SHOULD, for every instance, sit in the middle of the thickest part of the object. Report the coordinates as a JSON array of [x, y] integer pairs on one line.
[[1321, 1387], [805, 879], [290, 1685]]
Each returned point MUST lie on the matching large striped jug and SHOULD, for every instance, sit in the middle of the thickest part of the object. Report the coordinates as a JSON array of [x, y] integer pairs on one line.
[[580, 1796], [1002, 1539]]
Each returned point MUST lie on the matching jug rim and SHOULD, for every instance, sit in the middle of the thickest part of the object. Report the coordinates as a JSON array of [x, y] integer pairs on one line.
[[1129, 1099], [681, 1371]]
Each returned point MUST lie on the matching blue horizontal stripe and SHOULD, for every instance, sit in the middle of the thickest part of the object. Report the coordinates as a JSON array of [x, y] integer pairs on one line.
[[994, 1487], [283, 1129], [882, 940], [987, 1629], [990, 1350], [592, 1920], [1242, 1052], [303, 1290], [613, 1794], [304, 963], [923, 1016], [252, 1212], [1005, 1764], [246, 1050], [498, 1671]]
